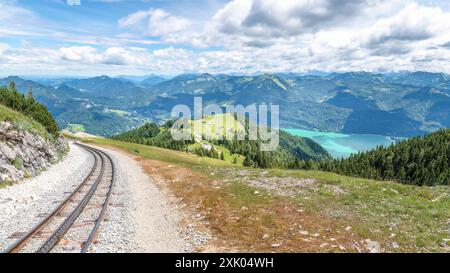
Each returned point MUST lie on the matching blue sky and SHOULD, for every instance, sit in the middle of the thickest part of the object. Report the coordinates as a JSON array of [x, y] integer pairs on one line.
[[116, 37], [99, 17]]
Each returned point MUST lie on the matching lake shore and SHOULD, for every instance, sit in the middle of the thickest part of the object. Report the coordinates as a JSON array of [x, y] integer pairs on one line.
[[343, 145]]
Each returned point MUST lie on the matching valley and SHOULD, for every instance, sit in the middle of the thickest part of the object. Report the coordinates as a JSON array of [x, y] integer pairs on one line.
[[349, 103]]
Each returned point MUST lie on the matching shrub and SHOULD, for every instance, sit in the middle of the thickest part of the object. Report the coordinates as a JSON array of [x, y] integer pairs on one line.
[[29, 107]]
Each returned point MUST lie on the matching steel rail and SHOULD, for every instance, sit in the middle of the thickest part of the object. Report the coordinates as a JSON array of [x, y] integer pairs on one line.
[[68, 222], [20, 243], [94, 233]]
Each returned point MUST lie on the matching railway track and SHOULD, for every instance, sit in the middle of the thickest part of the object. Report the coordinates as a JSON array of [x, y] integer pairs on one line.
[[74, 225]]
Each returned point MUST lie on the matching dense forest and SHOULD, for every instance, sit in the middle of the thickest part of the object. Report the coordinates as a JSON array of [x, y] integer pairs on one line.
[[423, 161], [26, 105], [293, 152], [153, 135]]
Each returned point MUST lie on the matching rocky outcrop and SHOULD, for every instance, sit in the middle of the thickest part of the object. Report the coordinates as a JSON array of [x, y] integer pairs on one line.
[[25, 153]]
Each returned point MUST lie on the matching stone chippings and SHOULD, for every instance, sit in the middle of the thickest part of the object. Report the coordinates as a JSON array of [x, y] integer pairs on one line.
[[24, 153], [24, 204]]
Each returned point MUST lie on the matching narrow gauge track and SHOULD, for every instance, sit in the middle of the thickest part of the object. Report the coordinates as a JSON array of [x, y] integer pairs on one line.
[[90, 200]]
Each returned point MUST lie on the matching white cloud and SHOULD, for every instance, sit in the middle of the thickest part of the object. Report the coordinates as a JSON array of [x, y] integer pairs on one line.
[[155, 22], [272, 18], [229, 18], [3, 48], [319, 56], [413, 23], [262, 23], [258, 35], [10, 12], [84, 54], [125, 56], [118, 56], [17, 21], [73, 2]]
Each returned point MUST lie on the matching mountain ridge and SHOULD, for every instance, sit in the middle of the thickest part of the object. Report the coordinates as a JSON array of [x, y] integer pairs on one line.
[[306, 101]]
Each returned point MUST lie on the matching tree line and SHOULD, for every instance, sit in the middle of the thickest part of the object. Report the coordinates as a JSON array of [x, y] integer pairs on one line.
[[153, 135], [422, 161], [293, 152], [27, 105]]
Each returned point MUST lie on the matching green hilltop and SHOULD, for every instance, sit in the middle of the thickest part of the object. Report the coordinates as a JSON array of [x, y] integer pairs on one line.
[[211, 141]]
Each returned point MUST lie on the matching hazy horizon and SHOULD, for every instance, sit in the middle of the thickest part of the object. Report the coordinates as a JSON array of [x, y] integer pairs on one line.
[[43, 76]]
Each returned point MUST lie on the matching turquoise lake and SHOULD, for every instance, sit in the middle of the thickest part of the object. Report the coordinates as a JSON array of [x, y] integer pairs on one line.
[[343, 145]]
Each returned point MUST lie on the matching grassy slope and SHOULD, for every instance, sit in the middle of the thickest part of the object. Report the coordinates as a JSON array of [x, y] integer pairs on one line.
[[400, 217], [22, 122], [225, 126], [417, 218], [227, 154], [119, 112], [76, 128], [215, 127], [165, 155]]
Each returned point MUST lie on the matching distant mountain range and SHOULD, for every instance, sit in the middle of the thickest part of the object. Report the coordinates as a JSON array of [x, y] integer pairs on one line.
[[398, 104], [74, 103]]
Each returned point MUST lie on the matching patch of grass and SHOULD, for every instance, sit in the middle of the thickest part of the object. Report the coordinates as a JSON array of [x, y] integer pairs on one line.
[[5, 184], [243, 218], [18, 163], [76, 128], [215, 127], [415, 218], [402, 218], [230, 158], [170, 156], [69, 135], [22, 122], [241, 195], [121, 113]]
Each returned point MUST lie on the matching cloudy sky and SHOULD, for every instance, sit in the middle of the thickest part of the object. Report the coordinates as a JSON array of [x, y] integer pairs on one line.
[[93, 37]]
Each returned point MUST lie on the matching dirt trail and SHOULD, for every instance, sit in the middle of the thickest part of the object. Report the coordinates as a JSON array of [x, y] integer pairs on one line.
[[141, 217]]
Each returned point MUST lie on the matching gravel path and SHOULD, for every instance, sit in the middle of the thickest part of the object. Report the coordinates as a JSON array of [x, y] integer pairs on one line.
[[140, 218], [23, 205]]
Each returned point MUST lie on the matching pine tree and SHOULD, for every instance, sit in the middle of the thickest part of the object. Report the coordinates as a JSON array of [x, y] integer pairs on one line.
[[28, 106], [12, 86], [30, 95], [248, 162], [417, 161]]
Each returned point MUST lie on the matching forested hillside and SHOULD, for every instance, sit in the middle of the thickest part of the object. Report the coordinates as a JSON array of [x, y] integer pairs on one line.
[[422, 161], [26, 105], [293, 152]]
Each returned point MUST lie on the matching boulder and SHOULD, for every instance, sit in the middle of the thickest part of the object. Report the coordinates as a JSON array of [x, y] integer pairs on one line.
[[26, 153]]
